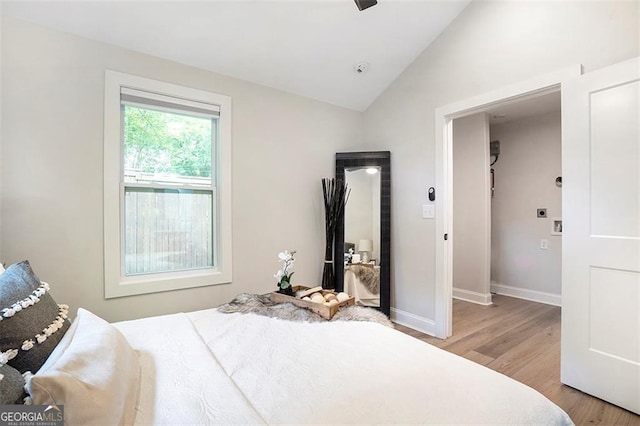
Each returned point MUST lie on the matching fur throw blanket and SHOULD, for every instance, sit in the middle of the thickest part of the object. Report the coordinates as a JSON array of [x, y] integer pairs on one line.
[[369, 277], [263, 305]]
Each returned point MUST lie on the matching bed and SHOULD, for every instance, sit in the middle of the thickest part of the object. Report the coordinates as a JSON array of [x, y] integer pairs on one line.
[[209, 367], [245, 368]]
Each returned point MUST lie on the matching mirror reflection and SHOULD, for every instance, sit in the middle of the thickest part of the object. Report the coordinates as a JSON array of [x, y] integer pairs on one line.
[[365, 227], [362, 235]]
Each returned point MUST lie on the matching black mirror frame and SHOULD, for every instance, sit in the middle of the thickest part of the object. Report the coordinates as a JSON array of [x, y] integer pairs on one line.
[[382, 159]]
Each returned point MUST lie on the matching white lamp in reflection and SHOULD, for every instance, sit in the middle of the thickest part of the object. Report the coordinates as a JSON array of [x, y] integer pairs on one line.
[[365, 247]]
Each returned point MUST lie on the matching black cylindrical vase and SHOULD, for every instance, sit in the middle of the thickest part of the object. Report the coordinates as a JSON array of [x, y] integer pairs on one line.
[[328, 281]]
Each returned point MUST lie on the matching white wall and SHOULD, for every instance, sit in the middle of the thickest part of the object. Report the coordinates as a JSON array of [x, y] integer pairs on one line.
[[358, 221], [490, 45], [51, 170], [530, 160], [1, 133], [376, 232], [51, 161], [362, 212], [471, 208]]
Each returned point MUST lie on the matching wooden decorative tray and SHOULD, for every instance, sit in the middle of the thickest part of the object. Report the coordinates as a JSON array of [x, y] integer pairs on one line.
[[326, 312]]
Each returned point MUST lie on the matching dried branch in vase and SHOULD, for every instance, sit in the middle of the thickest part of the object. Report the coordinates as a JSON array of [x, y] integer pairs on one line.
[[336, 196]]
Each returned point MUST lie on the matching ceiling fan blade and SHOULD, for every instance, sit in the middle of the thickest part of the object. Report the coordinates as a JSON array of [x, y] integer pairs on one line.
[[364, 4]]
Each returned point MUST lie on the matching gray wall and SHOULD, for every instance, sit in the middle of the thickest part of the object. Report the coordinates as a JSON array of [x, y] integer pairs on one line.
[[51, 166], [490, 45], [358, 220], [530, 160], [51, 170], [362, 212], [471, 208]]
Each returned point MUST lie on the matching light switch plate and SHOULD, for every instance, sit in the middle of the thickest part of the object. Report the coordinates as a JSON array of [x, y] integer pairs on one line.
[[428, 211]]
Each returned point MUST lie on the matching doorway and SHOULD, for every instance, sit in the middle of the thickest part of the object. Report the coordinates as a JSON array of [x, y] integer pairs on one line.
[[507, 202], [445, 115], [526, 200]]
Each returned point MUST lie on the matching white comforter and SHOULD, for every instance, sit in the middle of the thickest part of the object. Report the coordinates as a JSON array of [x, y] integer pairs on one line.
[[207, 367]]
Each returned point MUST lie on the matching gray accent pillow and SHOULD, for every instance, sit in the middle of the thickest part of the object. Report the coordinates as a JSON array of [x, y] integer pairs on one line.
[[11, 386], [16, 283]]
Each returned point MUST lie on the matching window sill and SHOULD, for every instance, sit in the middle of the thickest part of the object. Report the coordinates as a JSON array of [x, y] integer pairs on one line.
[[155, 283]]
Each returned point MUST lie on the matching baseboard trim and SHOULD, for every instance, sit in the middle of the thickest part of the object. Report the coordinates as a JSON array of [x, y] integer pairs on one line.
[[472, 296], [526, 294], [423, 325]]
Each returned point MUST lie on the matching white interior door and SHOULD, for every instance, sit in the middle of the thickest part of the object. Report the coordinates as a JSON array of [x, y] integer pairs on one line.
[[601, 234]]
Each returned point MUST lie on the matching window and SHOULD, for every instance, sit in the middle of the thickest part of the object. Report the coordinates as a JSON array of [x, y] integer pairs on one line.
[[166, 186]]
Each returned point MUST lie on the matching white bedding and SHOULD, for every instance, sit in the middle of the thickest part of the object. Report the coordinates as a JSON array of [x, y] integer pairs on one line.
[[181, 381], [207, 367]]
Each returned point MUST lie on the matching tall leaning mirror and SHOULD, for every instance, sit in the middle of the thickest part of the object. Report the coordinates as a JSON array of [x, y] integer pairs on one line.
[[362, 254]]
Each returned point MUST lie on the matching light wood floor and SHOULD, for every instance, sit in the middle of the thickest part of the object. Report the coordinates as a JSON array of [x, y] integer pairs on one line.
[[521, 339]]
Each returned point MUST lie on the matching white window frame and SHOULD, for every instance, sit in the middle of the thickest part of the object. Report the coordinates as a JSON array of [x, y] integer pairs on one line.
[[116, 284]]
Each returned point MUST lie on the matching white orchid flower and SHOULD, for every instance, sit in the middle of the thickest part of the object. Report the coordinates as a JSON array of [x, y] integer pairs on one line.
[[288, 267], [283, 277], [286, 256]]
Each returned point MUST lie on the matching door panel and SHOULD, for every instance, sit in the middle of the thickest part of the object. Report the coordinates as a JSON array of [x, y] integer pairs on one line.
[[601, 234], [615, 186], [608, 311]]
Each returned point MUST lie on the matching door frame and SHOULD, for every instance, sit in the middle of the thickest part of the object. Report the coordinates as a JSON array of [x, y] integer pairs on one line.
[[444, 117]]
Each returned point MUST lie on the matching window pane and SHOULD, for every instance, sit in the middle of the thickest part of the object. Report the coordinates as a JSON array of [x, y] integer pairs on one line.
[[167, 230], [162, 146]]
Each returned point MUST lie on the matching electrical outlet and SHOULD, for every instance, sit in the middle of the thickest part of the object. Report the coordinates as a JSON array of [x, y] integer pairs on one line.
[[541, 212], [544, 244], [428, 211]]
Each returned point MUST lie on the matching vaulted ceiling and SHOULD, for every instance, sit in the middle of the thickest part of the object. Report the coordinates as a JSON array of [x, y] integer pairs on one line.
[[307, 47]]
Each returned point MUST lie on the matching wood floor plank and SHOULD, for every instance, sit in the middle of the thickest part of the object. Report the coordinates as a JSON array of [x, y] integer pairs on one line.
[[506, 341], [528, 352], [484, 330], [521, 339], [478, 357]]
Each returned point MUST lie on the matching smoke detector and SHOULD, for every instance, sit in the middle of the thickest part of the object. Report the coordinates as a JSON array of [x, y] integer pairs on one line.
[[362, 67]]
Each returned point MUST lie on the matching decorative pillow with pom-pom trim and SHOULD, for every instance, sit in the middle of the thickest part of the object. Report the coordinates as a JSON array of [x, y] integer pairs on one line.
[[31, 322]]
